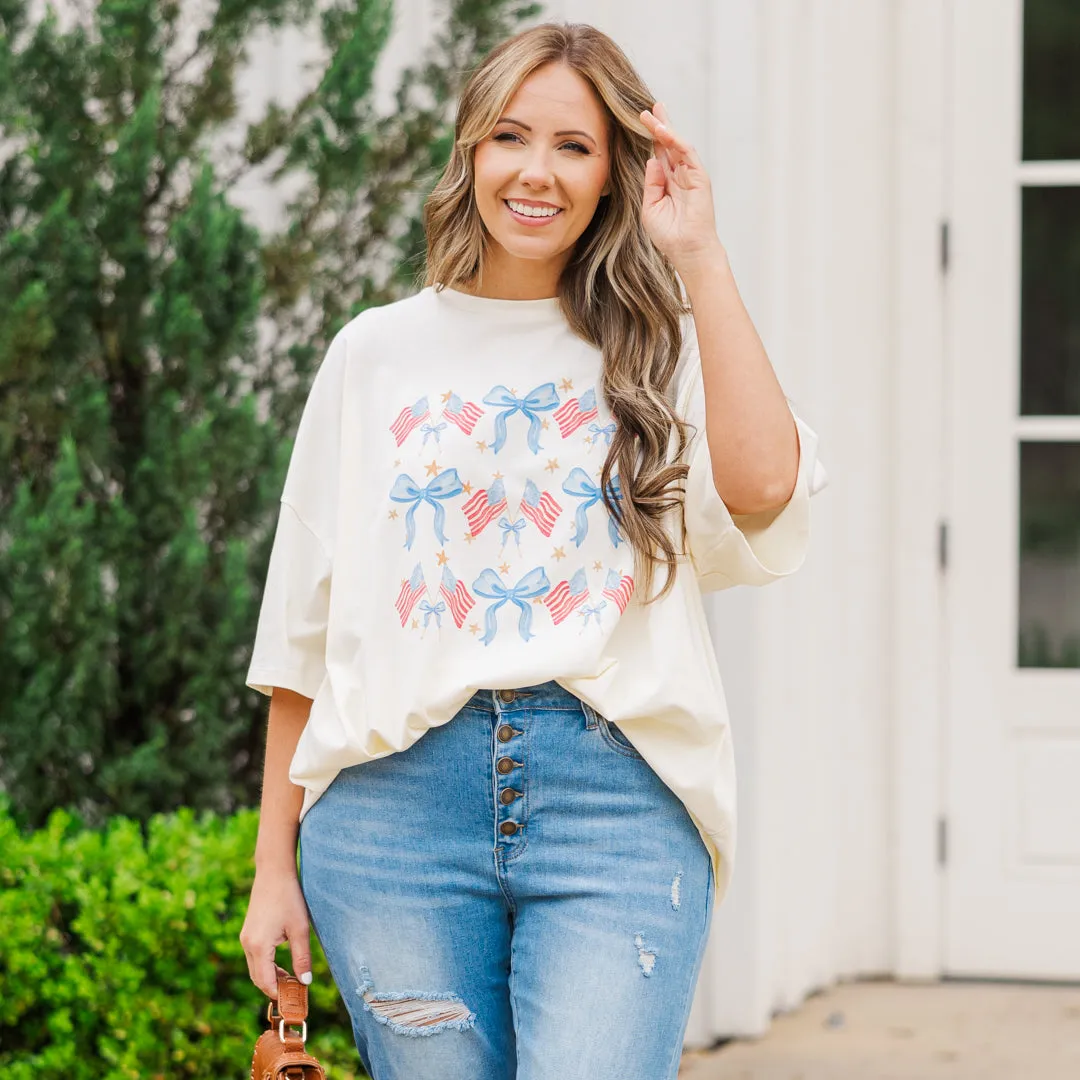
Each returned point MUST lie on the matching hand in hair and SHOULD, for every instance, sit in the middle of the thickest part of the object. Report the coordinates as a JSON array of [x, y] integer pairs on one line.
[[677, 206]]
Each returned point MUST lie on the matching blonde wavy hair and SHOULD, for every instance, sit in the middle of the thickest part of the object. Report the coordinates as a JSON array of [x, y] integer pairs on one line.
[[617, 292]]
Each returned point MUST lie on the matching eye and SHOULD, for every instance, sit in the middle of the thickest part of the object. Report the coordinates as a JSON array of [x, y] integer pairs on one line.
[[504, 135], [578, 147]]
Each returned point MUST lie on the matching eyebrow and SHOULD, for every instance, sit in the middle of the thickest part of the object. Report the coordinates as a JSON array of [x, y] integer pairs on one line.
[[518, 123]]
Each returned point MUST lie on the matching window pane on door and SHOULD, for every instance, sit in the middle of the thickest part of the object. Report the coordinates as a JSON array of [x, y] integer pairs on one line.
[[1049, 602], [1050, 301], [1051, 80]]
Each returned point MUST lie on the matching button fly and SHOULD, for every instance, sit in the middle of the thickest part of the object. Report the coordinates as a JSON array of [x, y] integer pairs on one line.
[[505, 733], [508, 796], [507, 696], [508, 828]]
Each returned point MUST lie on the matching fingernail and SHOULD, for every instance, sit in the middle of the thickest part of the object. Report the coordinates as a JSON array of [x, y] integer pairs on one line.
[[306, 978]]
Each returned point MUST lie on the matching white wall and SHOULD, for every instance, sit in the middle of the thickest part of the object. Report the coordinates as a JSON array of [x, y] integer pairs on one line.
[[792, 104]]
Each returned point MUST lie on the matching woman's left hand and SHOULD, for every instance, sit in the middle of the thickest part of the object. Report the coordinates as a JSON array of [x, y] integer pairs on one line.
[[677, 207]]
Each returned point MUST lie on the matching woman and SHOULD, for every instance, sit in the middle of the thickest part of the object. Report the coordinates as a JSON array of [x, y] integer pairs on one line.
[[504, 754]]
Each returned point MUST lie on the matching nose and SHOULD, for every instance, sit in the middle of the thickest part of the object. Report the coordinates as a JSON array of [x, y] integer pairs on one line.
[[536, 169]]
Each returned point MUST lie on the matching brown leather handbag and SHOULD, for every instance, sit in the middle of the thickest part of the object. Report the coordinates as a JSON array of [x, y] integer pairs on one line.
[[279, 1052]]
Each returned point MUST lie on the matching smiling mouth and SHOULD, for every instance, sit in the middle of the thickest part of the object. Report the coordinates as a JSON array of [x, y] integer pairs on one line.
[[545, 215]]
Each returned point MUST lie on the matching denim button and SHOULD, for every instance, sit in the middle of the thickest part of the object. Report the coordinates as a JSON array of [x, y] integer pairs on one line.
[[508, 828], [505, 765], [507, 696], [505, 733], [508, 796]]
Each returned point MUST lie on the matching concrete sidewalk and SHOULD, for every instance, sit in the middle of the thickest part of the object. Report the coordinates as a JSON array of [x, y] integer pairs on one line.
[[892, 1031]]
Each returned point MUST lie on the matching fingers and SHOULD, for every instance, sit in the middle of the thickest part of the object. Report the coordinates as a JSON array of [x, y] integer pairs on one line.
[[676, 149], [300, 946]]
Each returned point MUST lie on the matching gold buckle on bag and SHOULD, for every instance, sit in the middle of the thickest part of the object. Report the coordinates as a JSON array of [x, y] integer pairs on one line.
[[272, 1014]]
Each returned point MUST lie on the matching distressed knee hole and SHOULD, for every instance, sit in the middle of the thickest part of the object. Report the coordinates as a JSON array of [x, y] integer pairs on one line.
[[417, 1014]]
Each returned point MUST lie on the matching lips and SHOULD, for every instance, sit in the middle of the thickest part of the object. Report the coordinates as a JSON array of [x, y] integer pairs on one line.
[[527, 219]]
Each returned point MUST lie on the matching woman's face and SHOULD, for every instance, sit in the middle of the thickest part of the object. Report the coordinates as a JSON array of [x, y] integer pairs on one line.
[[540, 174]]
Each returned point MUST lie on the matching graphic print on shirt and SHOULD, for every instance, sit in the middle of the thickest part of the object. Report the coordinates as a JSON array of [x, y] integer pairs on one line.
[[406, 490], [580, 485], [507, 580], [409, 419], [462, 413], [490, 586], [541, 399]]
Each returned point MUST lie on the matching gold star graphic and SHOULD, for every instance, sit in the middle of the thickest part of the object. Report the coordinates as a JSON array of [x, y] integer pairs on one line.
[[544, 424], [474, 628], [513, 391], [588, 440], [415, 623], [441, 557], [481, 446], [566, 385], [598, 566], [404, 581], [504, 568], [538, 599], [393, 514], [552, 465], [446, 396], [496, 476], [432, 469], [558, 553], [467, 488], [469, 538], [397, 462]]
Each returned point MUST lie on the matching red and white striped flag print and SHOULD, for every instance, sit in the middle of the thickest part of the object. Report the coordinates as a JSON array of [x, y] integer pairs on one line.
[[458, 599], [411, 591], [566, 596], [485, 506], [571, 414], [463, 413], [409, 419], [540, 507], [619, 587]]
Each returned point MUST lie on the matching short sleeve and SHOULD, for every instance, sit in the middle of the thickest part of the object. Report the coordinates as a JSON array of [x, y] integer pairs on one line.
[[740, 549], [290, 639]]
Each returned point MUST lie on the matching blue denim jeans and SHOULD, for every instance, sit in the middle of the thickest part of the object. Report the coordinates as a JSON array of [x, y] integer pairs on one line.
[[516, 896]]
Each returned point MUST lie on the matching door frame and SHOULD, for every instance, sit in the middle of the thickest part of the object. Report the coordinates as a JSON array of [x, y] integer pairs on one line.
[[920, 467]]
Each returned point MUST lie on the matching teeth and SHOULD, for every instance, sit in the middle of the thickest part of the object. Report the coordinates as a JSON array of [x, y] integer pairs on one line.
[[532, 211]]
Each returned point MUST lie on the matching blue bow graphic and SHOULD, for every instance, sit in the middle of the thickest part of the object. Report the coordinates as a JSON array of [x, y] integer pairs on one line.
[[511, 528], [490, 586], [540, 399], [593, 609], [446, 485], [429, 609], [579, 484], [607, 431], [432, 429]]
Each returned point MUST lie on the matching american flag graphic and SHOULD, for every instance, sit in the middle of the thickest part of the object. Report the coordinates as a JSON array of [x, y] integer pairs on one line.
[[457, 597], [566, 596], [409, 419], [571, 414], [540, 507], [411, 591], [485, 506], [463, 413], [619, 587]]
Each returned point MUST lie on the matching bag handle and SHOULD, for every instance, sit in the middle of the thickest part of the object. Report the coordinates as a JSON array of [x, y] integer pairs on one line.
[[291, 1008]]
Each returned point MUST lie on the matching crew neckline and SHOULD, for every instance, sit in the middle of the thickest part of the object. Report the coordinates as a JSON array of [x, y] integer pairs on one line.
[[546, 305]]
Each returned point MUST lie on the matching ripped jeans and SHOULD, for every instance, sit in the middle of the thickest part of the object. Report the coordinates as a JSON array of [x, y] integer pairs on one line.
[[516, 896]]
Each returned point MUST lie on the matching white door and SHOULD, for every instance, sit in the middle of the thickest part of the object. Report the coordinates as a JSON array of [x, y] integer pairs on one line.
[[1012, 747]]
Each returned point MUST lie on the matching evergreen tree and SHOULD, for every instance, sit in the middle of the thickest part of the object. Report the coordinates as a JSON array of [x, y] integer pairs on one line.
[[144, 414]]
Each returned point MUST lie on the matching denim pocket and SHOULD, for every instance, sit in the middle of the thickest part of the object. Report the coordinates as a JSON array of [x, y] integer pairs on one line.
[[614, 737]]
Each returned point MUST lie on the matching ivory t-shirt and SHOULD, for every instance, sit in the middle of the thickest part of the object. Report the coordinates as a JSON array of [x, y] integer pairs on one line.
[[441, 531]]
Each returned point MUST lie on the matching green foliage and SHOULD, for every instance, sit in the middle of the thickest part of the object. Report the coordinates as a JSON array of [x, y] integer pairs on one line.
[[155, 351], [121, 958]]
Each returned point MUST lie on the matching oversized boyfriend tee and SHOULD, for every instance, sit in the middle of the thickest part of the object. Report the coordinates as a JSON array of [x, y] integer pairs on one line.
[[441, 531]]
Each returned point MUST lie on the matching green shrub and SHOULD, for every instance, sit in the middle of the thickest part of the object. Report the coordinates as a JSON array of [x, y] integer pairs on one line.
[[120, 954]]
